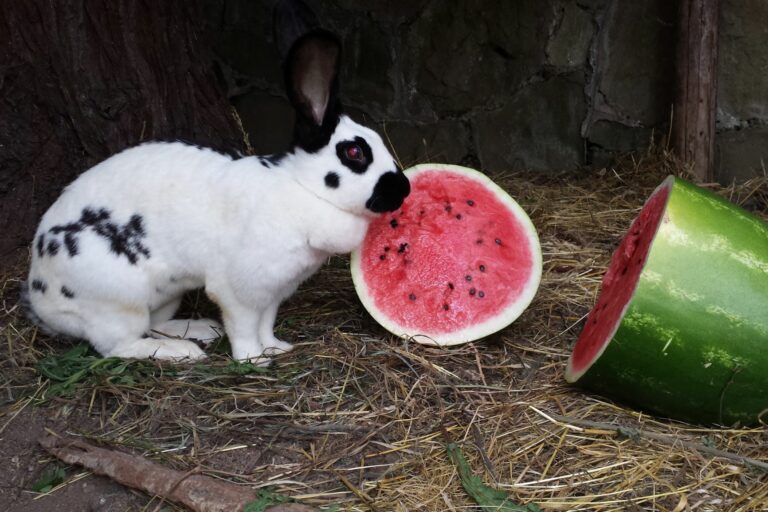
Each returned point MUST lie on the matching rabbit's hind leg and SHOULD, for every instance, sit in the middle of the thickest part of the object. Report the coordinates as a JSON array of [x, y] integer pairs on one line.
[[118, 330]]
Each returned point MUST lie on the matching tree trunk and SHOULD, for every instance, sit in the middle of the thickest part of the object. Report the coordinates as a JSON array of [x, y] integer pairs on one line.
[[83, 79], [696, 98]]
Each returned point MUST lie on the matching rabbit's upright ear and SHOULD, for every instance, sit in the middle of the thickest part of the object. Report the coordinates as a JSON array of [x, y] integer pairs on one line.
[[311, 73]]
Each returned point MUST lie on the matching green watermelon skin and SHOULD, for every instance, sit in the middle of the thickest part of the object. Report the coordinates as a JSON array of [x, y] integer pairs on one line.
[[692, 344]]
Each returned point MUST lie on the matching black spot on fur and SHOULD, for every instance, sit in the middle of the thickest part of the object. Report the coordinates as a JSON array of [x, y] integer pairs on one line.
[[41, 245], [67, 292], [364, 157], [70, 242], [332, 180], [389, 192], [53, 247], [125, 240], [270, 161], [39, 286]]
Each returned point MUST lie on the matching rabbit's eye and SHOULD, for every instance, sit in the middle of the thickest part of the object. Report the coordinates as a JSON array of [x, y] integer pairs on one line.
[[354, 152]]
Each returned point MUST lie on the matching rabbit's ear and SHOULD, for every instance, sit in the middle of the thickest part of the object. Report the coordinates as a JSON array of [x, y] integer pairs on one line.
[[311, 71]]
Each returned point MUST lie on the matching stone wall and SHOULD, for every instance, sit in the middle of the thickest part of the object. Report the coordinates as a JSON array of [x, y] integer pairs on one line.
[[506, 85]]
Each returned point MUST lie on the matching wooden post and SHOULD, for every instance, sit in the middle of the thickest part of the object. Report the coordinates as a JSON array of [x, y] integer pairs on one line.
[[696, 95]]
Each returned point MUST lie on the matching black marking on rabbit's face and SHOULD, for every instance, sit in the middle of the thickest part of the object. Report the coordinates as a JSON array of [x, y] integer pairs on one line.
[[332, 180], [123, 240], [355, 154], [66, 292], [389, 193], [39, 286]]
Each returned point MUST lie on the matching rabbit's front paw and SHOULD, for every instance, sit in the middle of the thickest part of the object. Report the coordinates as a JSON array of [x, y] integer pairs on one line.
[[204, 330]]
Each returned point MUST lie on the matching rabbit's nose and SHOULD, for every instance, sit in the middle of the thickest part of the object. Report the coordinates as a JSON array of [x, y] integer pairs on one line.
[[389, 192]]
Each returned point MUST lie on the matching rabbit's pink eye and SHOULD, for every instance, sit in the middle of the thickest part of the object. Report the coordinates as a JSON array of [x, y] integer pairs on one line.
[[354, 153]]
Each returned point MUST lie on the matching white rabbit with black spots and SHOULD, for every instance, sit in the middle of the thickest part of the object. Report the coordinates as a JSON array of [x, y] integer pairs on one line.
[[114, 254]]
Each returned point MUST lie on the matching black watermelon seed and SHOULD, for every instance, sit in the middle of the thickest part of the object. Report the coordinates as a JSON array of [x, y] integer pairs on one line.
[[446, 307], [472, 291], [448, 208], [479, 241], [393, 223], [468, 277], [386, 248], [458, 216], [481, 294], [402, 248], [421, 212], [382, 257], [498, 241], [482, 268], [470, 202], [450, 285], [412, 296], [624, 271]]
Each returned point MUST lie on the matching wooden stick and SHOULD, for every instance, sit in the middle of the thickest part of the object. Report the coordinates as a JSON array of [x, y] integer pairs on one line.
[[197, 492]]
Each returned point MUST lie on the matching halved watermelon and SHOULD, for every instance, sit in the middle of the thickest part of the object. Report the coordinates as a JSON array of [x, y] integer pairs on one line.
[[457, 262], [680, 327]]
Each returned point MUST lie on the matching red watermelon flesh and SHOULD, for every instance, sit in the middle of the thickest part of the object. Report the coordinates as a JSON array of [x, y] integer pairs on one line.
[[618, 284], [458, 261]]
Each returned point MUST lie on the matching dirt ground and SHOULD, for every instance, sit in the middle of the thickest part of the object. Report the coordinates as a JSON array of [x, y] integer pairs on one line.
[[357, 420]]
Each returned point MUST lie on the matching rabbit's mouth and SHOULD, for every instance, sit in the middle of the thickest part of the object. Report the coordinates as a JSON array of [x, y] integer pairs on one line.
[[389, 193]]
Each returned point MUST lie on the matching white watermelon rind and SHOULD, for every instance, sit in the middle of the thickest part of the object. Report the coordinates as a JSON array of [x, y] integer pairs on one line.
[[482, 329]]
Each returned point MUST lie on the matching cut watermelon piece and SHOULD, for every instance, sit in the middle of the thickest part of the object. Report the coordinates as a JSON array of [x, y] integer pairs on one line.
[[680, 327], [457, 262]]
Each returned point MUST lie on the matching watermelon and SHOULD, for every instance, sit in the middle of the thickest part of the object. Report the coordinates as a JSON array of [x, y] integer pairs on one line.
[[680, 327], [458, 261]]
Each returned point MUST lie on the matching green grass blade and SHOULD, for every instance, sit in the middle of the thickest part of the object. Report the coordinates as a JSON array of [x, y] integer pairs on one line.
[[486, 497]]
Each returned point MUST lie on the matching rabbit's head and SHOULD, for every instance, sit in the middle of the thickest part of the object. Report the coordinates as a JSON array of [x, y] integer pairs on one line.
[[339, 160]]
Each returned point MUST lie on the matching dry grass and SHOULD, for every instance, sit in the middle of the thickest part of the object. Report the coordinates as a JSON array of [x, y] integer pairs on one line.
[[356, 418]]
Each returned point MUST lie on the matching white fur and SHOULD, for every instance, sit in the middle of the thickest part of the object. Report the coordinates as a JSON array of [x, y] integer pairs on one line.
[[247, 231]]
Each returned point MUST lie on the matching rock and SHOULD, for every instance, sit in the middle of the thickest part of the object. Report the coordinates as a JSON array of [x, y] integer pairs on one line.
[[569, 44], [439, 141], [538, 129], [742, 61], [741, 154], [636, 72], [461, 56]]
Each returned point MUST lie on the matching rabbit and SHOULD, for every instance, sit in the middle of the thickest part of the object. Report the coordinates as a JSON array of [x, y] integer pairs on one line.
[[113, 255]]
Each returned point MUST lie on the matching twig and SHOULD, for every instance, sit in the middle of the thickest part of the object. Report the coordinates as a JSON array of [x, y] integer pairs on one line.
[[636, 433], [197, 492]]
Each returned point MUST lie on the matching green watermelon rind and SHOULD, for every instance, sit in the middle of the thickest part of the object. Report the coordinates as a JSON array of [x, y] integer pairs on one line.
[[493, 324], [692, 342]]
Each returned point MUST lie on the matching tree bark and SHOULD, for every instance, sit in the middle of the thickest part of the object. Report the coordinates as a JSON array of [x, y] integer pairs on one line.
[[83, 79], [696, 98]]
